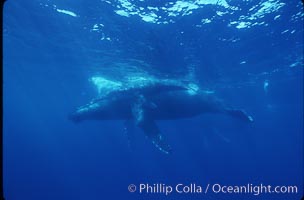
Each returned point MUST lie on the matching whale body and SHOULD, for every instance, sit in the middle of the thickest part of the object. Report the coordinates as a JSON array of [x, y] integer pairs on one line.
[[145, 105]]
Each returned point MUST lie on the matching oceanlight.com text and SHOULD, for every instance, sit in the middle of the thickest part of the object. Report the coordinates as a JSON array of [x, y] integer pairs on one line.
[[254, 189]]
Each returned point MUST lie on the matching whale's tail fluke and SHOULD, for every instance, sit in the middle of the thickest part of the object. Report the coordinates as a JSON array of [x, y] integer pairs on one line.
[[239, 114]]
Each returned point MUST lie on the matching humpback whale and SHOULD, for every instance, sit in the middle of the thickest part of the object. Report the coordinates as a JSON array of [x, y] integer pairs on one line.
[[152, 101]]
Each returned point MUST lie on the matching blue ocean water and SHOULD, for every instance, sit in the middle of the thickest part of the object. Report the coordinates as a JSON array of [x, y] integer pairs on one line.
[[249, 53]]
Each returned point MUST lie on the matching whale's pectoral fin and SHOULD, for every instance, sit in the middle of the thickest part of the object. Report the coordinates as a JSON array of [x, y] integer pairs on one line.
[[240, 114], [148, 125], [152, 132]]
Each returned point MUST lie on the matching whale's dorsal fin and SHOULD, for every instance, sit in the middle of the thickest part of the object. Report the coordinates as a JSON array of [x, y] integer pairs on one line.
[[148, 125]]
